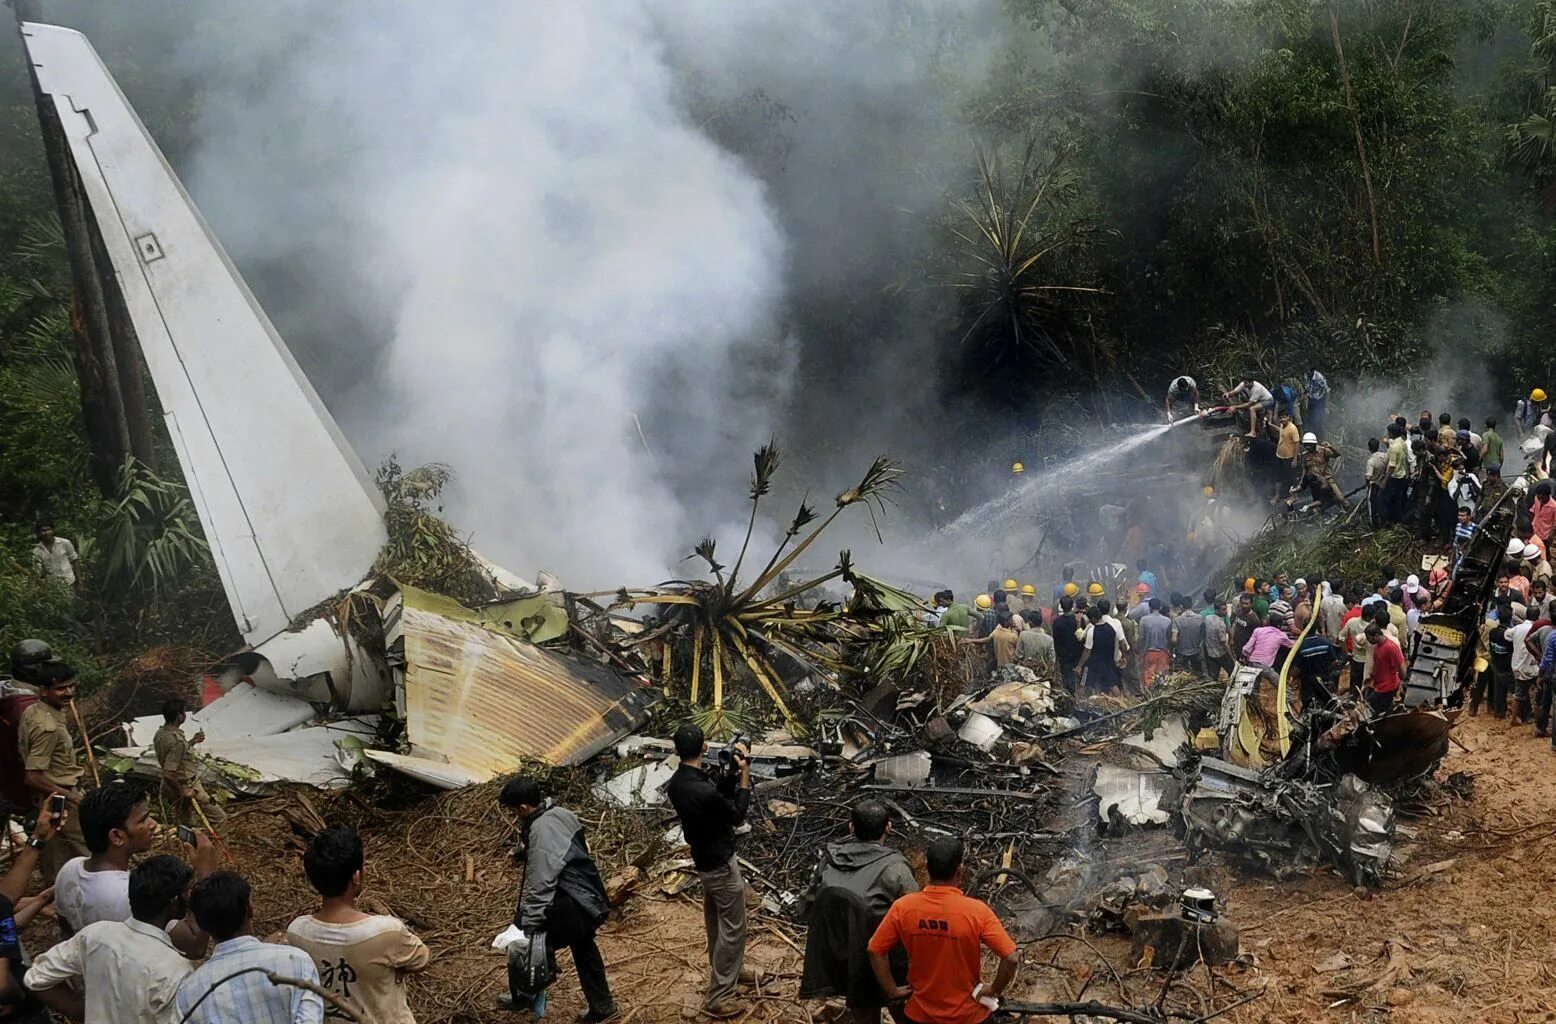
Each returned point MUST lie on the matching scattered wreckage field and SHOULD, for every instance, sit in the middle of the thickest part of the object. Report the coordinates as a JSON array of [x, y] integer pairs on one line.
[[1457, 932]]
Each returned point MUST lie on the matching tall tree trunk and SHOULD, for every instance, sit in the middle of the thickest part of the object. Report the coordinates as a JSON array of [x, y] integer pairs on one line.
[[107, 355], [101, 433], [1361, 147]]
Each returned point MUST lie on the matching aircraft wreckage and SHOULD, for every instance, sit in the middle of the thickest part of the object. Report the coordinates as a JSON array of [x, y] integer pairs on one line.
[[345, 665], [343, 660]]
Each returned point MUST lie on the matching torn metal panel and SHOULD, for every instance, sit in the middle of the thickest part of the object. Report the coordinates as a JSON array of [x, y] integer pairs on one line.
[[244, 712], [1138, 797], [483, 700], [317, 664], [434, 773], [290, 514], [642, 786]]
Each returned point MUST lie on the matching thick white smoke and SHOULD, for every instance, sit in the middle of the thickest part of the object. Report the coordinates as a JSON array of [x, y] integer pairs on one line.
[[548, 239]]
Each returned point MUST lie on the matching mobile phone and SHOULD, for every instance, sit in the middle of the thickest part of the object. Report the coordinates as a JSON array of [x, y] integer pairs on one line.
[[186, 835], [57, 804]]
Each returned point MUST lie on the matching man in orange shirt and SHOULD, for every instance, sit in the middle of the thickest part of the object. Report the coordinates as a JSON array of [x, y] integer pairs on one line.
[[944, 932]]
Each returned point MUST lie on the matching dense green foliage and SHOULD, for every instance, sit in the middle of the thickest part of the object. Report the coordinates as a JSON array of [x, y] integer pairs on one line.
[[1253, 201]]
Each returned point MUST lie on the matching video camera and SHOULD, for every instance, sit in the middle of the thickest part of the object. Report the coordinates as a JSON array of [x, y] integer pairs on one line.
[[727, 755]]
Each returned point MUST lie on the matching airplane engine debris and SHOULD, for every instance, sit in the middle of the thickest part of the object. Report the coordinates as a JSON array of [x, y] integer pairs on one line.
[[1441, 657], [1286, 826]]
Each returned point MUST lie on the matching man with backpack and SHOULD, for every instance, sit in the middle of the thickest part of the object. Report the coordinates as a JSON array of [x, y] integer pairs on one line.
[[563, 897]]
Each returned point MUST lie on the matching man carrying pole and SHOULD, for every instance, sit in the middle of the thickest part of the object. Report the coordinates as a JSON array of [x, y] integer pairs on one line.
[[182, 790]]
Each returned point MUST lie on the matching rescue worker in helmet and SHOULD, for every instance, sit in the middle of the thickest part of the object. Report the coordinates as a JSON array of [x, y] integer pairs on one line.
[[1318, 459], [1182, 393], [27, 660]]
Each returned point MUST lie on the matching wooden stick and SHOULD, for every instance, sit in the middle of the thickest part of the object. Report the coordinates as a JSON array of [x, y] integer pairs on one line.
[[86, 742], [212, 830]]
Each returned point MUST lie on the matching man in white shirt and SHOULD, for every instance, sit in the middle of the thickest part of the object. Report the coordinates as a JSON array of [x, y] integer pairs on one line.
[[117, 824], [1260, 401], [122, 972], [56, 557]]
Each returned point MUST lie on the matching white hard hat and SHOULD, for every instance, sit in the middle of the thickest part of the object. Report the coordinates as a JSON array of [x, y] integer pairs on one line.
[[1310, 438], [1515, 548], [1531, 551]]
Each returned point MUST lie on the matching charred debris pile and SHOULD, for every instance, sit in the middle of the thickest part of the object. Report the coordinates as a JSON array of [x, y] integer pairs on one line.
[[866, 696]]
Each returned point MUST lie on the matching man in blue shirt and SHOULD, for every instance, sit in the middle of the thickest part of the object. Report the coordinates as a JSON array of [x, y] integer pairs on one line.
[[217, 992]]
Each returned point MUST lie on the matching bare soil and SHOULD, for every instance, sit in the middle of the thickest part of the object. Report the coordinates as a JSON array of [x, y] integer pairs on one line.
[[1461, 936]]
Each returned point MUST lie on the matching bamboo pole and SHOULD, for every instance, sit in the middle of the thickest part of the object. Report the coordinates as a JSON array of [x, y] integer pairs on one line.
[[212, 830], [86, 743]]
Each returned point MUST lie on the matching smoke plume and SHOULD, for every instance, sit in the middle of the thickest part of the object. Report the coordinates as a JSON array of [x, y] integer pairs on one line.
[[587, 255]]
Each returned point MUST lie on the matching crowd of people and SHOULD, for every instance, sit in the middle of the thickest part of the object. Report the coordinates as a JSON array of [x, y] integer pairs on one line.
[[154, 939]]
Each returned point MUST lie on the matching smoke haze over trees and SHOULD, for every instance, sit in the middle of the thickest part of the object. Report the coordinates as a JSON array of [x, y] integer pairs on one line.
[[591, 255]]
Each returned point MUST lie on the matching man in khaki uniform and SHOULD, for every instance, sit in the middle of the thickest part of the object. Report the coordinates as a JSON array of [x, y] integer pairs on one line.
[[181, 786], [49, 760]]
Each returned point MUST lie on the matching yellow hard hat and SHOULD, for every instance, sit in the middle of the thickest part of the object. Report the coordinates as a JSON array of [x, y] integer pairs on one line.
[[984, 601], [1028, 590], [1095, 589], [1248, 585], [1208, 491], [1537, 395], [1016, 467], [1011, 584], [1071, 589]]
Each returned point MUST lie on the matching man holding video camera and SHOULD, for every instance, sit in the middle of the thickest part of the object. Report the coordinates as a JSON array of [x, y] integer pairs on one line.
[[711, 805]]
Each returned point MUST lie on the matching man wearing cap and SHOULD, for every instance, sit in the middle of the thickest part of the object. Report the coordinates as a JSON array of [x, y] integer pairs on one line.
[[1533, 556], [1331, 611], [1513, 568], [1145, 577], [1142, 606]]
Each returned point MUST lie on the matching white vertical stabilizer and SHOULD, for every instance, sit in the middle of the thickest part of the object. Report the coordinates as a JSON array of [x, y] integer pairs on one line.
[[290, 513]]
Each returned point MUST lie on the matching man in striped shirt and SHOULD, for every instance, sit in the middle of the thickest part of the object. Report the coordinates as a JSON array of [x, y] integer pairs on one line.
[[1463, 532]]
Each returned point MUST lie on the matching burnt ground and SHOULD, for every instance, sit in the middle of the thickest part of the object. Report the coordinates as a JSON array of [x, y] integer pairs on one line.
[[1461, 936]]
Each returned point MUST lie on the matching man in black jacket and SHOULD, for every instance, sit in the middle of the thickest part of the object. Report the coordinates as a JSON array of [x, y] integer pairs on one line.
[[562, 895], [709, 811]]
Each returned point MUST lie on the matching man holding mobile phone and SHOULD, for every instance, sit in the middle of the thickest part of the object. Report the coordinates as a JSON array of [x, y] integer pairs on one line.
[[710, 809], [182, 790], [49, 759]]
